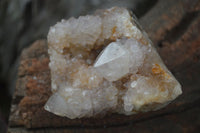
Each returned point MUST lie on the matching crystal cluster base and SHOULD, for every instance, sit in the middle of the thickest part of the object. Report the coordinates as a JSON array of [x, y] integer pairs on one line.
[[105, 63]]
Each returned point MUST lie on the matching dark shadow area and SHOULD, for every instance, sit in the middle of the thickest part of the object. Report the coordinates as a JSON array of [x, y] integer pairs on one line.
[[5, 101], [174, 34], [143, 7]]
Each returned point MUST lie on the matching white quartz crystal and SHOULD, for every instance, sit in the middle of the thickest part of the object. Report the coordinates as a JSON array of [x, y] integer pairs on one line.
[[113, 62], [75, 102], [105, 63], [136, 54]]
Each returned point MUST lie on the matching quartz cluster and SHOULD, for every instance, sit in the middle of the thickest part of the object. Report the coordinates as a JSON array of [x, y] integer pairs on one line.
[[105, 63]]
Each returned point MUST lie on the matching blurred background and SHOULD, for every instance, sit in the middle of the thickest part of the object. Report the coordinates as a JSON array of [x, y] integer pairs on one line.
[[24, 21]]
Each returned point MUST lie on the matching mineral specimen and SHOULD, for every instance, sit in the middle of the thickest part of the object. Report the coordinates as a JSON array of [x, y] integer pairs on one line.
[[105, 63]]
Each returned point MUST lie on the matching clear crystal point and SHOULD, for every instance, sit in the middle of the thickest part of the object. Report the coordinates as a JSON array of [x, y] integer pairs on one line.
[[113, 62]]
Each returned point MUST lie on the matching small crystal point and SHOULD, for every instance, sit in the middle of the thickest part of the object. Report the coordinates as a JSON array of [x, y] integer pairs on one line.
[[113, 62]]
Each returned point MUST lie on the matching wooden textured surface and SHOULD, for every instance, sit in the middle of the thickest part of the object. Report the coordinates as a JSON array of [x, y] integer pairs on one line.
[[174, 28]]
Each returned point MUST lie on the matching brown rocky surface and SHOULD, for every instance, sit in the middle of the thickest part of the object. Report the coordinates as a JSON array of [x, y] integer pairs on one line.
[[174, 27]]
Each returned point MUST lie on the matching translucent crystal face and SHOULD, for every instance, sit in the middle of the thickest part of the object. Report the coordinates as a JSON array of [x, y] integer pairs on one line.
[[105, 63], [113, 62]]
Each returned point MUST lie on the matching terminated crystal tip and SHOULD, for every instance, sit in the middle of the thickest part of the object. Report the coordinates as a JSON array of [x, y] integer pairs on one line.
[[105, 63], [114, 58]]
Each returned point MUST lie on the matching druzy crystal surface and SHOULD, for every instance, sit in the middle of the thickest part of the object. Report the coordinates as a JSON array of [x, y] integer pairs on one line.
[[105, 63]]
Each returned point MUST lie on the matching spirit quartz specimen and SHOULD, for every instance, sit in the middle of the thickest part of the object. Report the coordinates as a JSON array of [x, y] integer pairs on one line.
[[105, 63]]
